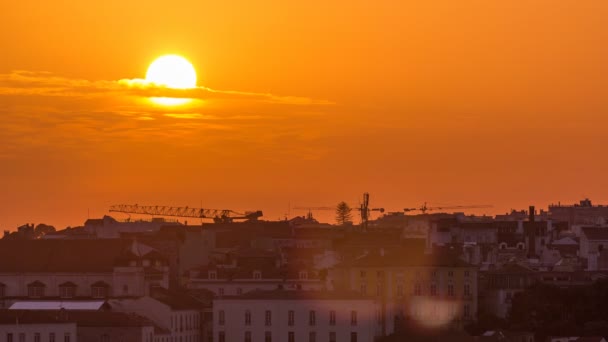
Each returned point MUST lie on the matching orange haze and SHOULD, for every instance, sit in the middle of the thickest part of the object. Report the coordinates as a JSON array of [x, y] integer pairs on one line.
[[311, 102]]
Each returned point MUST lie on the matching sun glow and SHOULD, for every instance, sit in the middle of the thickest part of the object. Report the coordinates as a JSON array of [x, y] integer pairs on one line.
[[171, 71]]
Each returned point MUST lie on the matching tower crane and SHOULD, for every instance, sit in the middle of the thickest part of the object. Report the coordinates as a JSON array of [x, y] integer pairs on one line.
[[424, 207], [364, 210], [218, 215]]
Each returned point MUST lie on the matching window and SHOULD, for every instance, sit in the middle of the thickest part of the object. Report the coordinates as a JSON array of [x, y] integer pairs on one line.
[[21, 337], [257, 275], [363, 274], [291, 336], [400, 290], [450, 290], [312, 318], [434, 274], [35, 290], [9, 337], [220, 291], [417, 289], [353, 337], [379, 274], [105, 338], [52, 337], [212, 274], [378, 289], [332, 337], [67, 290], [353, 317], [247, 317], [221, 336], [363, 288], [466, 274], [291, 317], [450, 274], [2, 292], [37, 337], [125, 289], [99, 291], [433, 290], [332, 317], [222, 317], [268, 336], [467, 289], [66, 337], [467, 311], [303, 275], [247, 336], [268, 318], [312, 336], [239, 291]]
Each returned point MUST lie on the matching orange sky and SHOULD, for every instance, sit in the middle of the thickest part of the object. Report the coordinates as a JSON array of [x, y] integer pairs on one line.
[[450, 102]]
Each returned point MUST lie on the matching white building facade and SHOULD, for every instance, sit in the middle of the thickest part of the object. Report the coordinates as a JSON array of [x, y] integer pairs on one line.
[[290, 316]]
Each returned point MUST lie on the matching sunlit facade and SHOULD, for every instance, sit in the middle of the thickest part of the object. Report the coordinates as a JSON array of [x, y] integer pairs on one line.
[[434, 292]]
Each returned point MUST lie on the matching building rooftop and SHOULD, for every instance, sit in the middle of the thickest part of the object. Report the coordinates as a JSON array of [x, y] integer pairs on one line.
[[298, 295]]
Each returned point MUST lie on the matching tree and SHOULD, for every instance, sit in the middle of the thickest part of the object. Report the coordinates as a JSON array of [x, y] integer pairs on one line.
[[43, 229], [343, 213]]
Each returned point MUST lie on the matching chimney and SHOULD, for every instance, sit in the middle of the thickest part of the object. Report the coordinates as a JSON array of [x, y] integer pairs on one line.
[[531, 213]]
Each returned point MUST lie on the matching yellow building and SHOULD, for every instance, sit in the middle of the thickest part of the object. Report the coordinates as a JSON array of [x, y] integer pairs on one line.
[[427, 290]]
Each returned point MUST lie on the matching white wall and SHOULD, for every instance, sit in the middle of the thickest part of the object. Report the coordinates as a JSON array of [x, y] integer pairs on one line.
[[59, 329], [235, 327]]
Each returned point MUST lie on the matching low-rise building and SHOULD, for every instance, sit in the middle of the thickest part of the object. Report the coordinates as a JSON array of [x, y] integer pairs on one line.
[[289, 316]]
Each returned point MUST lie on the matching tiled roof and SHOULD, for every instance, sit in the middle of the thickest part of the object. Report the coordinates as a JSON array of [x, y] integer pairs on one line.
[[298, 295], [406, 259], [596, 233], [63, 255], [176, 300], [28, 317]]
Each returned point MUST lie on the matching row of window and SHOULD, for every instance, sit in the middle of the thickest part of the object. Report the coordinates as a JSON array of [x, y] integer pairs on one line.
[[184, 322], [291, 336], [258, 275], [434, 274], [418, 289], [10, 337], [39, 291], [291, 317]]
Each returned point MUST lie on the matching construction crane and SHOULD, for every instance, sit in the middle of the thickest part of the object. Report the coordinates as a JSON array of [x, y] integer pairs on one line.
[[424, 207], [364, 210], [218, 215]]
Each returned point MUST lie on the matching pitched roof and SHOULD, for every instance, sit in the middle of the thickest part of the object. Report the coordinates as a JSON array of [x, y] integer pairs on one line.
[[28, 317], [405, 259], [298, 295], [62, 255], [596, 233], [57, 305]]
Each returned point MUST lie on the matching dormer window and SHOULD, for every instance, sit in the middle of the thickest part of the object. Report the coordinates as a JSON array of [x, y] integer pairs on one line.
[[100, 290], [212, 274], [67, 290], [146, 263], [132, 263], [36, 289], [257, 275], [303, 275]]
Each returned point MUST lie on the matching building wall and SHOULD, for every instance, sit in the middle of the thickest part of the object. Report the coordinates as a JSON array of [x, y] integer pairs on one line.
[[235, 327], [115, 334], [45, 330], [396, 287], [231, 288], [16, 284], [181, 324]]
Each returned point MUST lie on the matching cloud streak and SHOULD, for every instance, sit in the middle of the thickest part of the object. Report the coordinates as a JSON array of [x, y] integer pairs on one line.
[[22, 82]]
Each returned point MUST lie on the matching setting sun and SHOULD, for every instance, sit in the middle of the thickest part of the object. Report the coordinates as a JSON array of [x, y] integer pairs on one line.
[[172, 71]]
